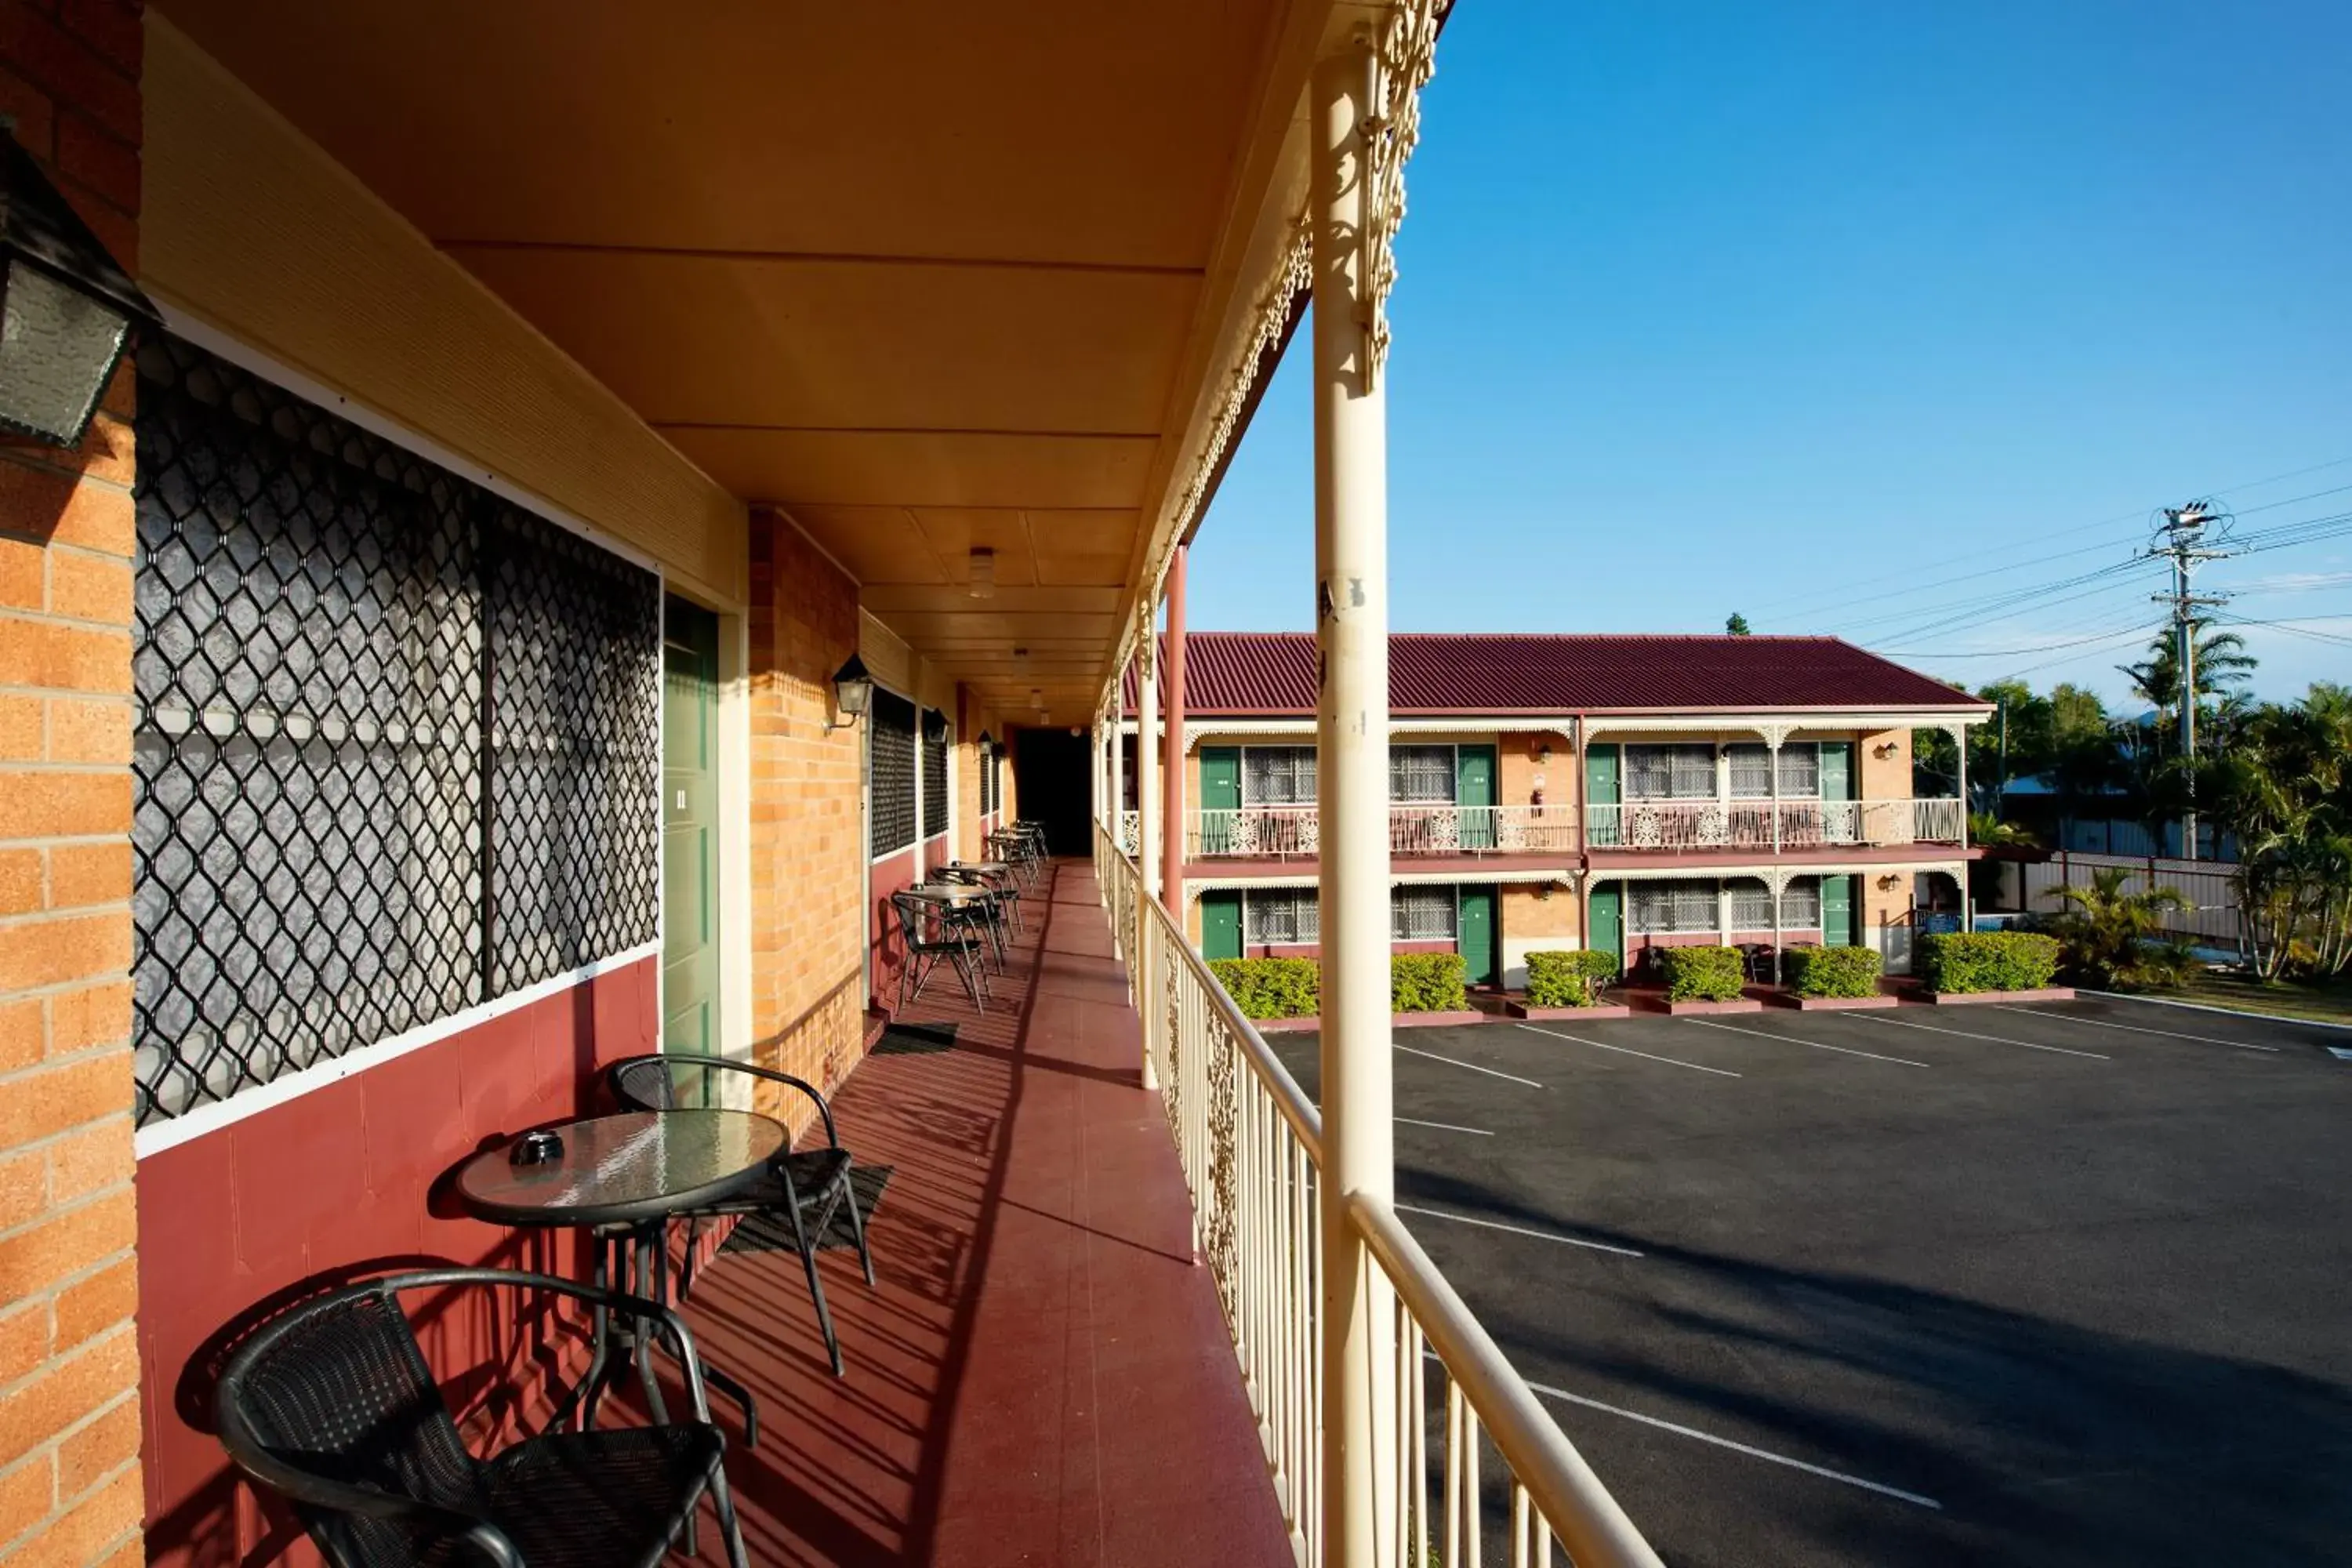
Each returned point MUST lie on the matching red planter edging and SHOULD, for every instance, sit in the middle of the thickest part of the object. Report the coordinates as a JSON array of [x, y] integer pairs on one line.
[[1964, 998], [1834, 1003], [1567, 1014], [1684, 1009]]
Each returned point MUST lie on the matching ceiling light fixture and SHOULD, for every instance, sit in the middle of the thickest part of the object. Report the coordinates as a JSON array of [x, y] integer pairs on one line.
[[981, 579]]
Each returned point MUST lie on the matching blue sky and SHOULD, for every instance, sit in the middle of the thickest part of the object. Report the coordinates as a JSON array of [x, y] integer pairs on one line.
[[1844, 316]]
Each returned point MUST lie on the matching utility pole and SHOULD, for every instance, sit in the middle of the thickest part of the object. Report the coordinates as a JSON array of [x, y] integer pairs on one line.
[[2188, 536]]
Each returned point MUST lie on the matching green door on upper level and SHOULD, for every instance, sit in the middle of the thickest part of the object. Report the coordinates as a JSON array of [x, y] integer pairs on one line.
[[689, 828], [1221, 796], [1601, 794], [1474, 791], [1838, 780], [1473, 935]]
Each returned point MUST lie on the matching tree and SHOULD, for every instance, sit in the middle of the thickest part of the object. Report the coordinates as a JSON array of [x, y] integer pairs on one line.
[[2110, 937], [2222, 664], [2283, 790], [1737, 625]]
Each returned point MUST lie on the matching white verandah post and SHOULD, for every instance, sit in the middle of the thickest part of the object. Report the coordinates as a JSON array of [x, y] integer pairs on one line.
[[1351, 620], [1146, 834]]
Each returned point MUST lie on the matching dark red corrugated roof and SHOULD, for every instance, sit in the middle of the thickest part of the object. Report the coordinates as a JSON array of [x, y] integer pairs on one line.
[[1445, 672]]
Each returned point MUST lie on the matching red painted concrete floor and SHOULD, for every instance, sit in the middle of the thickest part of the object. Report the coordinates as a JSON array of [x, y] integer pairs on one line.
[[1042, 1376]]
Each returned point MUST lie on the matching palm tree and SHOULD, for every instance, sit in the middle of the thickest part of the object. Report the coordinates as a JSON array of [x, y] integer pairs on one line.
[[2110, 937], [2222, 662]]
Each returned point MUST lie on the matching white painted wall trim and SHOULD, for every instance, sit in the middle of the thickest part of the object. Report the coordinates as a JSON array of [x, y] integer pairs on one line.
[[205, 335], [156, 1137]]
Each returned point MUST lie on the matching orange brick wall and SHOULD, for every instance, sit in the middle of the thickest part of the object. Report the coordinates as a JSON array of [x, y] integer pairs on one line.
[[808, 830], [69, 1413]]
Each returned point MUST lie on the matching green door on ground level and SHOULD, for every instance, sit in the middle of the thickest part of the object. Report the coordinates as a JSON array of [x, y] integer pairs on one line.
[[689, 828], [1473, 935], [1221, 924], [1605, 926], [1221, 796], [1837, 904], [1601, 795]]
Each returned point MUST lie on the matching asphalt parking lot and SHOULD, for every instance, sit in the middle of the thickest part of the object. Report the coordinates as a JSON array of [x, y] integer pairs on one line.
[[2069, 1284]]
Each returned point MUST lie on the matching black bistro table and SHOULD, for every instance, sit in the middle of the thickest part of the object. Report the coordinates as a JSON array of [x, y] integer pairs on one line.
[[621, 1178]]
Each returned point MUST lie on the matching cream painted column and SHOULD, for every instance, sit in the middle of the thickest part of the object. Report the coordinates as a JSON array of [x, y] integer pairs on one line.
[[1172, 745], [1147, 840], [1351, 623]]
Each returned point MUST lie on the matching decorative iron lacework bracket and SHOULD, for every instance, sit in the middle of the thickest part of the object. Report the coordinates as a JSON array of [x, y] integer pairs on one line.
[[1401, 59]]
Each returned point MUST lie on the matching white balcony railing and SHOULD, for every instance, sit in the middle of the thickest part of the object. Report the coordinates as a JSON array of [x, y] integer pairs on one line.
[[1748, 825], [1130, 832], [1413, 829], [1250, 1144]]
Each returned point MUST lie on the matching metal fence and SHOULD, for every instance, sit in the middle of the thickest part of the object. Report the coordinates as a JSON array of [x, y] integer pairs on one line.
[[396, 743], [1250, 1144], [2210, 888]]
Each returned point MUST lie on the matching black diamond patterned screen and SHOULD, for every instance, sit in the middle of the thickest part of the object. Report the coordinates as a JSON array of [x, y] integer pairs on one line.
[[315, 611], [890, 771], [935, 774]]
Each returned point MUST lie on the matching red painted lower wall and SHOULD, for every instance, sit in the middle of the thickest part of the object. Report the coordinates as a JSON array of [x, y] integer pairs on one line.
[[883, 877], [338, 1183]]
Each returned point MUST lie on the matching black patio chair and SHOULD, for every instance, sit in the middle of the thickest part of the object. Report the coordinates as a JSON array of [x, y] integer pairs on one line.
[[956, 945], [332, 1406], [804, 1189]]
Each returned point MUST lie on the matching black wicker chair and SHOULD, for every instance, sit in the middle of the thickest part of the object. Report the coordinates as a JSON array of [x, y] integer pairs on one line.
[[804, 1189], [959, 945], [332, 1406]]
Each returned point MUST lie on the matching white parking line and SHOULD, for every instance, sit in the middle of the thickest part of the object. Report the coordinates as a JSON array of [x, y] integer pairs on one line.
[[1965, 1035], [1793, 1040], [1518, 1230], [2136, 1029], [1446, 1127], [1623, 1051], [1752, 1452], [1474, 1066]]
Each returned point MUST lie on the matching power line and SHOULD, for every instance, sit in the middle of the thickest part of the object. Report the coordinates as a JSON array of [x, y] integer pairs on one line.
[[2108, 635]]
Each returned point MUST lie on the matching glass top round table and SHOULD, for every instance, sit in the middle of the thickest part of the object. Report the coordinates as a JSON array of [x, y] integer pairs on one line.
[[616, 1170]]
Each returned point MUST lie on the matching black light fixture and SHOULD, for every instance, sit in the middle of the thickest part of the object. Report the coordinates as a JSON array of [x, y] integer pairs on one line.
[[853, 692], [65, 307], [935, 725], [987, 742]]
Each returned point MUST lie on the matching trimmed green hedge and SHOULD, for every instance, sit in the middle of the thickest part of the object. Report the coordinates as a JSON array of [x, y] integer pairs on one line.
[[1831, 970], [1702, 973], [1569, 979], [1986, 960], [1272, 987], [1428, 982]]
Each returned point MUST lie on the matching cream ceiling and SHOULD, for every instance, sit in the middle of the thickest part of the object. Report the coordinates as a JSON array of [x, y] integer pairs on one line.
[[925, 275]]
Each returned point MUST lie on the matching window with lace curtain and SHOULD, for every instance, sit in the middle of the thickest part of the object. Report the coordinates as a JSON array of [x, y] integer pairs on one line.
[[1751, 771], [1748, 905], [1421, 914], [1668, 909], [1280, 916], [1279, 776], [1670, 773], [1421, 773]]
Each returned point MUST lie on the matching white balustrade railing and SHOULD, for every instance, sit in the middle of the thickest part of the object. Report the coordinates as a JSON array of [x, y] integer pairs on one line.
[[1748, 824], [1415, 829], [1250, 1144], [1130, 832]]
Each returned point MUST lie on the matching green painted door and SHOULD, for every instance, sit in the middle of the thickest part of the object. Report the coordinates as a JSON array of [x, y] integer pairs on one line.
[[1221, 924], [1839, 779], [1221, 796], [1837, 908], [1606, 926], [1601, 794], [1474, 936], [689, 828], [1473, 786]]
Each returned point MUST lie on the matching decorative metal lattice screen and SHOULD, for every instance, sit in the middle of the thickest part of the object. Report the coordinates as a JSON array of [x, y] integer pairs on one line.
[[325, 622], [1420, 914], [890, 771], [1284, 775], [935, 774]]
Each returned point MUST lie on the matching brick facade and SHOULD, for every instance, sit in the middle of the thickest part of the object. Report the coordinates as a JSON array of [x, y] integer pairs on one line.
[[808, 830], [69, 1412]]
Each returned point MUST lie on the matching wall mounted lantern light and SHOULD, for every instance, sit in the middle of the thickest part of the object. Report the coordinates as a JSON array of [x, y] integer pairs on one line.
[[1883, 750], [853, 693], [65, 307], [987, 742]]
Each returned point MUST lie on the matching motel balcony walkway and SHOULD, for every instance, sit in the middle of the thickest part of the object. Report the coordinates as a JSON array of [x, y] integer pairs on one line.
[[1043, 1374]]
